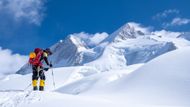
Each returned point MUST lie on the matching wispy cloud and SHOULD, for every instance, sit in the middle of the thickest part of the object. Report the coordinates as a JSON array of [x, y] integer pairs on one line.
[[166, 13], [29, 10], [171, 18], [177, 22], [9, 62]]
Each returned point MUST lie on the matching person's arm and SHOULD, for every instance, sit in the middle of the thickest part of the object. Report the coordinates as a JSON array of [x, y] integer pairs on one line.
[[45, 57]]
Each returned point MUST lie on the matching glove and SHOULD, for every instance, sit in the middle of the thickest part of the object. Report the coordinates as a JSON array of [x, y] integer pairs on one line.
[[50, 65], [46, 69]]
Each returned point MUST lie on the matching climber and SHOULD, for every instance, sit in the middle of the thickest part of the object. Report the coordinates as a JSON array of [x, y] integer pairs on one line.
[[36, 59]]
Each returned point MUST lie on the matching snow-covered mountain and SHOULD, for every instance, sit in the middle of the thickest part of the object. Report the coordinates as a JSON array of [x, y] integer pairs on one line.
[[130, 44]]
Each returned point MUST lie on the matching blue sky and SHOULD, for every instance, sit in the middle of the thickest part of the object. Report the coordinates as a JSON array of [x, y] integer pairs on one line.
[[26, 24]]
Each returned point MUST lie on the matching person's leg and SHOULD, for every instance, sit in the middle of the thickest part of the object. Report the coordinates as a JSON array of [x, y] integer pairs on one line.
[[42, 80], [34, 77]]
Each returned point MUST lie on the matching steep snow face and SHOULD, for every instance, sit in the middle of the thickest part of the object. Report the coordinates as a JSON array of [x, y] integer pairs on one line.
[[67, 52], [76, 50], [143, 50], [118, 55], [128, 31]]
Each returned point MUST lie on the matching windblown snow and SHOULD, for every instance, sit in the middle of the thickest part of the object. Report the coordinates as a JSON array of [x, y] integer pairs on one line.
[[132, 67]]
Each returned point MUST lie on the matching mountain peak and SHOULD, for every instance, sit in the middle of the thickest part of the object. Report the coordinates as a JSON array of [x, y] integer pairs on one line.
[[77, 42], [130, 30]]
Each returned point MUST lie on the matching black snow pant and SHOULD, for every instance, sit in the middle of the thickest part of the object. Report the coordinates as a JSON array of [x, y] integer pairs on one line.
[[38, 73]]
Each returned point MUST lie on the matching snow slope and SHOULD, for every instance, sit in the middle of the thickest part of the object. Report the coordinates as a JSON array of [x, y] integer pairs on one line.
[[13, 88], [62, 76], [162, 82]]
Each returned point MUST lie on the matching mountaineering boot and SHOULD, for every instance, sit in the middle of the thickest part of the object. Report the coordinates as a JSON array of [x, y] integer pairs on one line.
[[42, 84], [34, 84], [41, 88], [35, 88]]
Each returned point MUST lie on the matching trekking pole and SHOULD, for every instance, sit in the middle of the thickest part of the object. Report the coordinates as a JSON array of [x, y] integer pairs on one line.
[[28, 86], [53, 77]]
